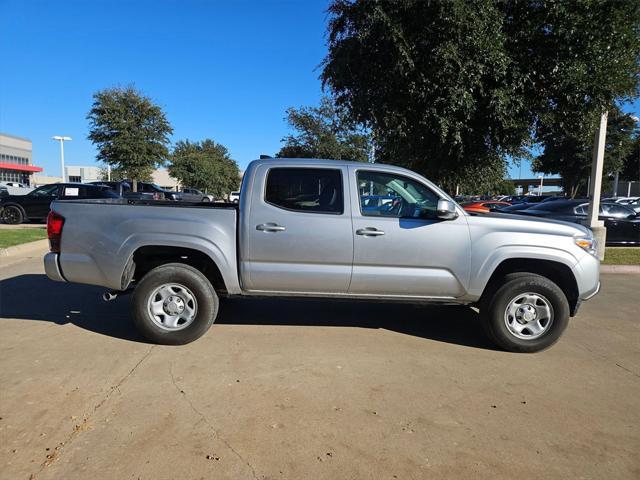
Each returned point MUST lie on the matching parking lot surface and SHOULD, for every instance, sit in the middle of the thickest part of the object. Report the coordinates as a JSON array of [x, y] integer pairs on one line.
[[311, 389]]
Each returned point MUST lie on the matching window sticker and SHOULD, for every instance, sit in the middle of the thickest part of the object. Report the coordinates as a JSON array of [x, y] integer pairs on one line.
[[70, 192]]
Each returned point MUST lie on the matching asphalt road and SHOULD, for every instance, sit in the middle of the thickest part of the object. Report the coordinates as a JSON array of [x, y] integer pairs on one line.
[[309, 389]]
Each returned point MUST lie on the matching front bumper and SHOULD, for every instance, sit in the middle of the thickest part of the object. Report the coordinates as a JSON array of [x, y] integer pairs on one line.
[[52, 267], [591, 295]]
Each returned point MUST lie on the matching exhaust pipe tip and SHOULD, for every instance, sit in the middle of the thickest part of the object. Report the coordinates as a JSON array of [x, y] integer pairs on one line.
[[109, 296]]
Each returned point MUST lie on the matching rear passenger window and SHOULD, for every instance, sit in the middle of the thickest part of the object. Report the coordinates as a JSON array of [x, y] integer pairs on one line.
[[316, 190]]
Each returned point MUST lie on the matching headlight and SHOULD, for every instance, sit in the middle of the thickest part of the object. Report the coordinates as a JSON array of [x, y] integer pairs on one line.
[[589, 244]]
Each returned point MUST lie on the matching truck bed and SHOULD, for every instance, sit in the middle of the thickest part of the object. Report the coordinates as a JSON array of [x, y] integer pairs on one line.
[[100, 237]]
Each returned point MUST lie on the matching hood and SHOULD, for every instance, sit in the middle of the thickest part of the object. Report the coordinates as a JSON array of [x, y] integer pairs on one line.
[[522, 223]]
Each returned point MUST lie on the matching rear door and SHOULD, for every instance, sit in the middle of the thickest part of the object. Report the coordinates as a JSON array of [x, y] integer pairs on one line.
[[297, 230], [403, 249]]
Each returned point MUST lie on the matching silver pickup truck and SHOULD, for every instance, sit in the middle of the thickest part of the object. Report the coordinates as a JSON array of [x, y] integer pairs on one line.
[[326, 228]]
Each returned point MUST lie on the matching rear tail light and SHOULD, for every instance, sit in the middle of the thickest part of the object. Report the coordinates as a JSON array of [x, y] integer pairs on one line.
[[55, 222]]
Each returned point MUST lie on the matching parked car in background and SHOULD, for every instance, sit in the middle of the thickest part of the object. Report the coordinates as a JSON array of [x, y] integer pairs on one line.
[[526, 199], [234, 197], [484, 207], [14, 184], [635, 204], [123, 189], [15, 209], [517, 207], [158, 192], [622, 222], [146, 191], [623, 200], [195, 195], [300, 230]]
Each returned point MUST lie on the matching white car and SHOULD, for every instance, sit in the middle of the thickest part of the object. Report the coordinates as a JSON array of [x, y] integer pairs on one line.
[[234, 197], [14, 184]]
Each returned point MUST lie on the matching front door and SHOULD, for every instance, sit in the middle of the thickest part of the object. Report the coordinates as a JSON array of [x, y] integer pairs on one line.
[[37, 203], [401, 248], [297, 233]]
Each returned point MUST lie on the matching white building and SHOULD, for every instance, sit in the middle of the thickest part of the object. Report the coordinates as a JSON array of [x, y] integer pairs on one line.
[[162, 178], [16, 159], [78, 174]]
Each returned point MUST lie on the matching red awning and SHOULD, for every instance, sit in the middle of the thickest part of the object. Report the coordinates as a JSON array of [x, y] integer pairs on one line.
[[20, 168]]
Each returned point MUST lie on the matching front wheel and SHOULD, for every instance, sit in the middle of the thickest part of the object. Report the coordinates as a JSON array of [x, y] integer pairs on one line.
[[528, 313], [174, 304]]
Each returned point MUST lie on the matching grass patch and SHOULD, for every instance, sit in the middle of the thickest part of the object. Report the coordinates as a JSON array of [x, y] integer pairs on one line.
[[16, 236], [622, 256]]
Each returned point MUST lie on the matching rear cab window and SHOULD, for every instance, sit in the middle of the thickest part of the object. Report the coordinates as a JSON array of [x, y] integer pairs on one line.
[[310, 190]]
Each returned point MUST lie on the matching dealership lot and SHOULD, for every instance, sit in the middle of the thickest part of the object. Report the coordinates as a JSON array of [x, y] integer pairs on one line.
[[306, 389]]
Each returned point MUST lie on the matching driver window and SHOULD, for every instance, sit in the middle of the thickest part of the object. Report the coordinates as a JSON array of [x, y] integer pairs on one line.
[[390, 195]]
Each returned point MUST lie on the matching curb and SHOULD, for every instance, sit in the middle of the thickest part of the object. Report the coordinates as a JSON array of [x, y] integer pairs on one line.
[[619, 268], [24, 249]]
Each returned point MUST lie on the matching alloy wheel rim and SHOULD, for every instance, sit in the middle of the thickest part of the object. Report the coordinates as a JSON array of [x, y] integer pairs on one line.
[[528, 316], [172, 306], [10, 215]]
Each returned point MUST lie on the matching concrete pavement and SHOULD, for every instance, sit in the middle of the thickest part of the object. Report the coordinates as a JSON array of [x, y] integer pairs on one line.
[[311, 389]]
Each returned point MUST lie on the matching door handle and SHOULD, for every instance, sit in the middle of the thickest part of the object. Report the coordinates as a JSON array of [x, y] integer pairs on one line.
[[369, 232], [270, 227]]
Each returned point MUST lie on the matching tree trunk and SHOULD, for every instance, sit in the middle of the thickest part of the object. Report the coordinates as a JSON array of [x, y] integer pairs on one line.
[[574, 190], [134, 185]]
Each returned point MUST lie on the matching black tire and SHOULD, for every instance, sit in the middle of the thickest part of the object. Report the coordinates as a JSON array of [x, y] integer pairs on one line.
[[496, 319], [205, 200], [12, 215], [197, 284]]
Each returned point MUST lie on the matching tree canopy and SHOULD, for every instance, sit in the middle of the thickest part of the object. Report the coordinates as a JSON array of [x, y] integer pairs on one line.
[[570, 154], [205, 165], [452, 89], [130, 132], [324, 132]]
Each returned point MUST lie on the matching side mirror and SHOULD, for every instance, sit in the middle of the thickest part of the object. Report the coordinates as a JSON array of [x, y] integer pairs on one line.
[[446, 210]]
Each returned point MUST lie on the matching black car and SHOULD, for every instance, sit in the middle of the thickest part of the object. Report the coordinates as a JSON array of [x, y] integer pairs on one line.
[[516, 207], [15, 209], [146, 191], [622, 223], [528, 199]]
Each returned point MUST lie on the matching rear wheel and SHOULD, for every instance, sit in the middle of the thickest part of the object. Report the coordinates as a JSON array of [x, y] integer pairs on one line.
[[528, 313], [12, 215], [174, 304]]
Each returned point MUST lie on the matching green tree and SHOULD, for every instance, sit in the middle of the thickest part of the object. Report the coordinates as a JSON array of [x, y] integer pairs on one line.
[[324, 132], [130, 132], [570, 154], [205, 165], [454, 88]]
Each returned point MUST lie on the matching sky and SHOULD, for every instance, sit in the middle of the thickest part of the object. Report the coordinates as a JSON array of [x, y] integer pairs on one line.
[[225, 70]]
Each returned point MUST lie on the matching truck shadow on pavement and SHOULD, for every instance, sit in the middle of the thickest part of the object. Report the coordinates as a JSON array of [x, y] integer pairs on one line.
[[35, 297]]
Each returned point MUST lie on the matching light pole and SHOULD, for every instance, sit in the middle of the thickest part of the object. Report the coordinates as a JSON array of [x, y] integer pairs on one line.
[[541, 177], [595, 186], [62, 140], [637, 120]]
